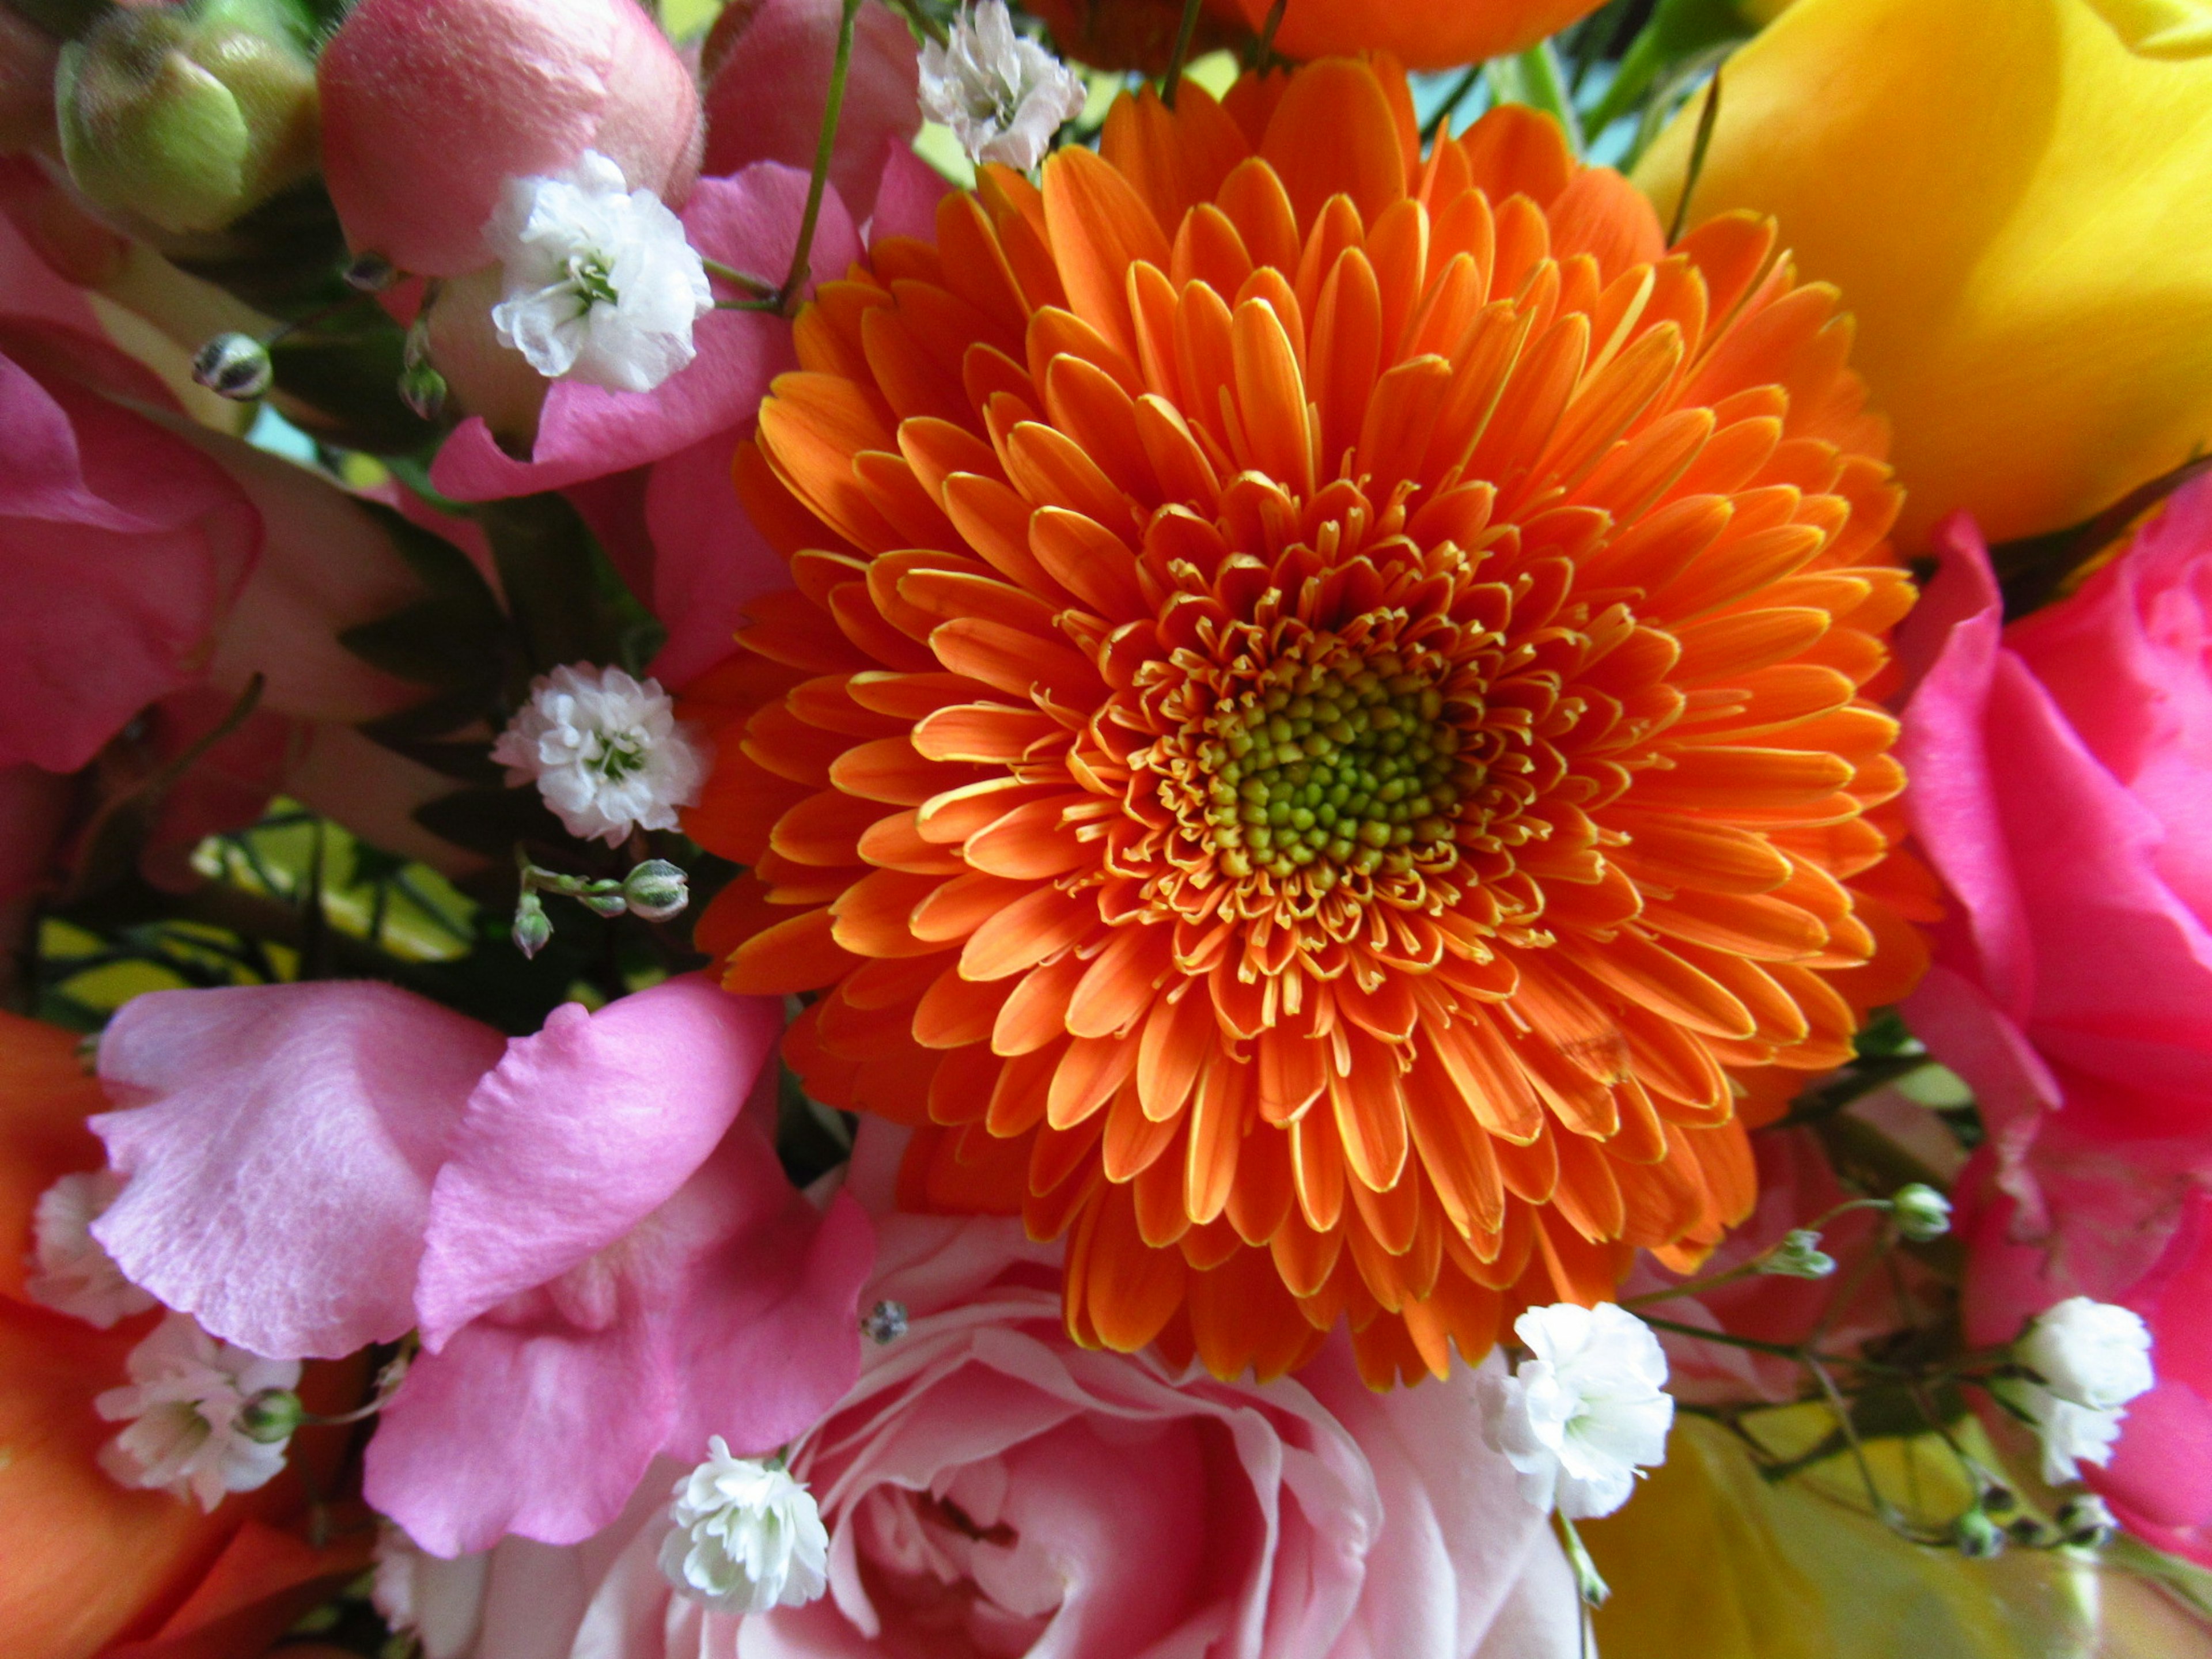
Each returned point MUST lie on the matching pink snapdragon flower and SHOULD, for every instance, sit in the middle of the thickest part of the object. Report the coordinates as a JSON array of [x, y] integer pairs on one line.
[[603, 1262], [989, 1487], [430, 106], [2063, 789]]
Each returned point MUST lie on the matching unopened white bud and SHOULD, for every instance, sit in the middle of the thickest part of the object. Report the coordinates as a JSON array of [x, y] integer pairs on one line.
[[234, 366]]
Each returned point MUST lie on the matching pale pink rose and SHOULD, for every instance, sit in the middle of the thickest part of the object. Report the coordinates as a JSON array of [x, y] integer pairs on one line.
[[766, 68], [2062, 787], [603, 1262], [991, 1489], [429, 108]]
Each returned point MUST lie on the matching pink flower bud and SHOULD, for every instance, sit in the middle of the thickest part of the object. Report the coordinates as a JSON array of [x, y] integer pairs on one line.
[[429, 106]]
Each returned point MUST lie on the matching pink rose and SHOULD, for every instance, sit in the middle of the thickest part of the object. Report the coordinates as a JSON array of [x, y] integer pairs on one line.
[[429, 106], [2063, 789], [990, 1488], [603, 1262]]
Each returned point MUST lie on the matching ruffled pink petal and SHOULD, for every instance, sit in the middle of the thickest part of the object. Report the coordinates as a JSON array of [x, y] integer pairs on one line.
[[281, 1167], [766, 64], [750, 222], [124, 547], [525, 1424], [578, 1134], [708, 563]]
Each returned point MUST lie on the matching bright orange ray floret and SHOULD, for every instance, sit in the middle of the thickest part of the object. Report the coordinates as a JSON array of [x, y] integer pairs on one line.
[[1323, 711]]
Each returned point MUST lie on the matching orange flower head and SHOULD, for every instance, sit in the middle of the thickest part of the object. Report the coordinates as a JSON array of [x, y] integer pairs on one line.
[[1323, 711]]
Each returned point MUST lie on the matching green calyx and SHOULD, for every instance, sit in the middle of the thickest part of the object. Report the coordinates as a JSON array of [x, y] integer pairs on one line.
[[1332, 770], [188, 117]]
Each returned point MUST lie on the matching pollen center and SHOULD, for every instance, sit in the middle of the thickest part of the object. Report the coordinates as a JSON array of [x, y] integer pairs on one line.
[[1331, 762]]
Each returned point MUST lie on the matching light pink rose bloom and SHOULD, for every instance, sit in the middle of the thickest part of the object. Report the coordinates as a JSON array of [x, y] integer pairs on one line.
[[2062, 787], [766, 67], [603, 1262], [429, 106], [991, 1489]]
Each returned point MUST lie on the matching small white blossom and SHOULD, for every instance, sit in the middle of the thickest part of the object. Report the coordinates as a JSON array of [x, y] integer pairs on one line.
[[2071, 1434], [1004, 96], [1584, 1409], [73, 1271], [601, 284], [607, 753], [183, 1403], [747, 1537], [2092, 1353], [439, 1602]]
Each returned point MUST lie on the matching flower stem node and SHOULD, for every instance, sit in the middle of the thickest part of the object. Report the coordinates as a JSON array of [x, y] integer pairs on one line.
[[1799, 1256], [1921, 1212], [747, 1537], [1977, 1537], [884, 1323], [605, 751], [656, 891], [234, 366]]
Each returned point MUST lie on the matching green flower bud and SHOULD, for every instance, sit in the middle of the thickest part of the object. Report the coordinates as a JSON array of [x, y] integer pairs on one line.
[[1799, 1256], [1922, 1212], [656, 891], [423, 389], [271, 1416], [2086, 1521], [187, 117], [533, 927], [604, 899], [234, 366], [1977, 1537]]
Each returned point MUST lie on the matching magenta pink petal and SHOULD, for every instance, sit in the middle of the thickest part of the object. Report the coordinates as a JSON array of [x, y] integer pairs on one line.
[[708, 563], [578, 1134], [125, 545], [281, 1162], [526, 1423], [750, 222]]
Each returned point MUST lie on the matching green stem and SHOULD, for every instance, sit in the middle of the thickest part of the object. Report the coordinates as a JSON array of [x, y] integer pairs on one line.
[[1266, 51], [759, 287], [824, 147], [922, 20], [1533, 78], [1708, 115], [1184, 31]]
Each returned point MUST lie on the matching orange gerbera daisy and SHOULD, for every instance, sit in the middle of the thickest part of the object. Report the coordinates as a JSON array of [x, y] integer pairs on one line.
[[1322, 711]]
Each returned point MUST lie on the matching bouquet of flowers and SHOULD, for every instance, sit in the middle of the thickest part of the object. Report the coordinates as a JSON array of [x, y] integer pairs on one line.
[[1106, 830]]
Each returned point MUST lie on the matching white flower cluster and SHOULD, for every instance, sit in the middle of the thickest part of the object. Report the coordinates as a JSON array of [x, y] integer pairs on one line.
[[607, 753], [186, 1404], [72, 1271], [1003, 95], [1584, 1409], [2093, 1358], [747, 1536], [602, 285], [438, 1602]]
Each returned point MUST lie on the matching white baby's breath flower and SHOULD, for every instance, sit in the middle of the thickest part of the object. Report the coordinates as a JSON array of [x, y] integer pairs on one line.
[[2071, 1434], [747, 1536], [607, 753], [186, 1406], [602, 286], [439, 1602], [73, 1272], [1584, 1410], [1004, 96], [2092, 1353]]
